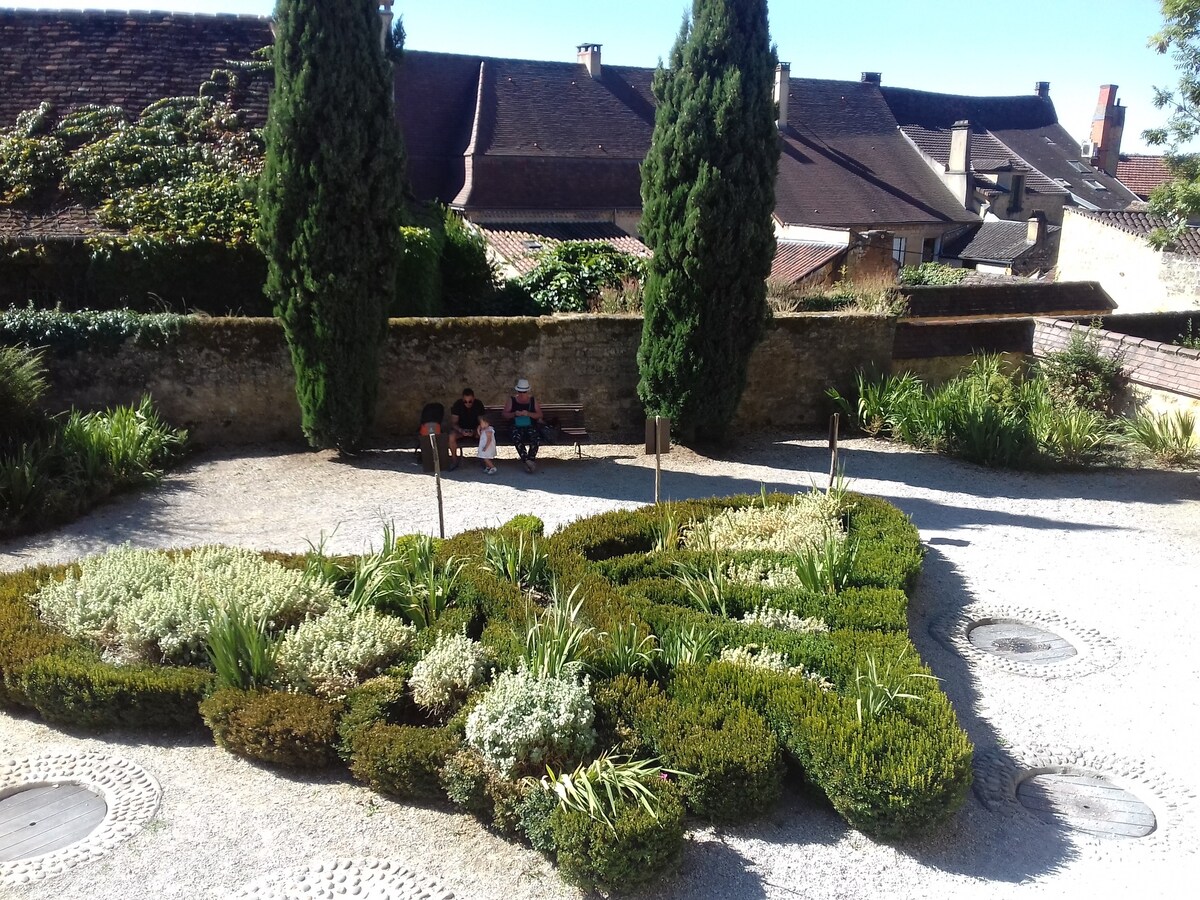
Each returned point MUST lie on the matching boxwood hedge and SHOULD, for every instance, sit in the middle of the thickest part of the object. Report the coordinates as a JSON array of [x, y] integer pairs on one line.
[[738, 728]]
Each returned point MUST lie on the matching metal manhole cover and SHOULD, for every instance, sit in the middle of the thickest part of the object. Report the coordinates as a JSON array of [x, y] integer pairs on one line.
[[1086, 802], [38, 820], [1016, 640]]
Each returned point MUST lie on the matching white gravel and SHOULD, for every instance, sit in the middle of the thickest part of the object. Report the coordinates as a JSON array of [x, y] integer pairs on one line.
[[1116, 552]]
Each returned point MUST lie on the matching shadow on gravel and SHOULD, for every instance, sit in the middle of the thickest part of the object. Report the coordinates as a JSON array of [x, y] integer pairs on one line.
[[980, 843]]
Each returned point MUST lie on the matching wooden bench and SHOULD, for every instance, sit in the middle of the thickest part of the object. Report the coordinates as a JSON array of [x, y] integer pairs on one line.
[[566, 419]]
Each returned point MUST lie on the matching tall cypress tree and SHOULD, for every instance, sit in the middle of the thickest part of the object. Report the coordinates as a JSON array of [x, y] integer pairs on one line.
[[330, 203], [708, 192]]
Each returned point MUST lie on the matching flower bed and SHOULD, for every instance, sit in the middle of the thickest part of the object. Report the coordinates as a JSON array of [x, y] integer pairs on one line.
[[583, 691]]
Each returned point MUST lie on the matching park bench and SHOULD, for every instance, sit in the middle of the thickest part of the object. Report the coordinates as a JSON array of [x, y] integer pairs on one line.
[[565, 418]]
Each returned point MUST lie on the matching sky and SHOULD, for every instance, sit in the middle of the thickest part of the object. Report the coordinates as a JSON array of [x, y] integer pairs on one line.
[[977, 47]]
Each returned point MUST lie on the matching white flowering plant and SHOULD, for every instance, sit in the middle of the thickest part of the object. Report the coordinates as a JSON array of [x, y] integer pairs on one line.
[[525, 723], [331, 653], [784, 620], [448, 672], [144, 605], [785, 528]]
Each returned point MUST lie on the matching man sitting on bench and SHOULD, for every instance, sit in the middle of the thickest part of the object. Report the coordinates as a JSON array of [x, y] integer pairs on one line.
[[464, 424], [522, 410]]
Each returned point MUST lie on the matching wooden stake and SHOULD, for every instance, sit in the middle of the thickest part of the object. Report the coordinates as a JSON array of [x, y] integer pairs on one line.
[[833, 448], [437, 478], [657, 456]]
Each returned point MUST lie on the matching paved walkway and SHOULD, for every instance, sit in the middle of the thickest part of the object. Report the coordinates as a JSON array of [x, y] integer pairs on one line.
[[1107, 559]]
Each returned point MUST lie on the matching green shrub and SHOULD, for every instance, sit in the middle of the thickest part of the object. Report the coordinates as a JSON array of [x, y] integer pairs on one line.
[[1171, 438], [570, 276], [638, 849], [23, 637], [734, 756], [419, 273], [1083, 375], [474, 785], [402, 761], [295, 731], [535, 817], [468, 276], [68, 333], [79, 690], [382, 699], [240, 650], [22, 387], [932, 273]]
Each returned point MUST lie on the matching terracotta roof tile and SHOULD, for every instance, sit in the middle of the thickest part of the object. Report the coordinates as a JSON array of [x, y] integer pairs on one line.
[[519, 243], [126, 59], [1142, 173], [1142, 223], [796, 259]]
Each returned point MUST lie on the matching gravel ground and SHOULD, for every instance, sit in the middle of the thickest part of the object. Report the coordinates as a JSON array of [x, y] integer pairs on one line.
[[1109, 556]]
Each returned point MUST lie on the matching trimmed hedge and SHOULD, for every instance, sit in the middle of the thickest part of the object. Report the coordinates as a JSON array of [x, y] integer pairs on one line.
[[737, 726], [295, 731]]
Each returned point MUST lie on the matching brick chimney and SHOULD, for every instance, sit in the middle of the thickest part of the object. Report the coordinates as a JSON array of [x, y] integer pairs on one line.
[[385, 21], [783, 82], [1042, 89], [872, 78], [1035, 228], [589, 55], [1108, 124], [958, 169]]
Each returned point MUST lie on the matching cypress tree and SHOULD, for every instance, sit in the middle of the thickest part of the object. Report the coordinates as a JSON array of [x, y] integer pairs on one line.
[[708, 192], [330, 203]]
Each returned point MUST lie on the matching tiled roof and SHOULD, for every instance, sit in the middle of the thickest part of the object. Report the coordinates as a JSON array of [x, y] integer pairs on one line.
[[126, 59], [1142, 223], [988, 154], [68, 222], [796, 259], [1027, 125], [1142, 173], [520, 242], [993, 242]]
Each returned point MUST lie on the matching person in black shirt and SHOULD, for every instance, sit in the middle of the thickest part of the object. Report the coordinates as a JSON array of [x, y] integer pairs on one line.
[[464, 423]]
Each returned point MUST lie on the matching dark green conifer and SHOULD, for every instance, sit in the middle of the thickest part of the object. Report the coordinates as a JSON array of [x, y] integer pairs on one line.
[[708, 192], [331, 205]]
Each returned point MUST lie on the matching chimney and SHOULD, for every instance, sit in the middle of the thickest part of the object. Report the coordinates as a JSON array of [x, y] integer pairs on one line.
[[589, 55], [1108, 124], [958, 169], [1035, 228], [783, 82], [872, 78], [1042, 89], [385, 21]]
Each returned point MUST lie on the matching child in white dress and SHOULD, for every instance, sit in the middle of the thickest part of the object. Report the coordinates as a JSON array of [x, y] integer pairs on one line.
[[487, 445]]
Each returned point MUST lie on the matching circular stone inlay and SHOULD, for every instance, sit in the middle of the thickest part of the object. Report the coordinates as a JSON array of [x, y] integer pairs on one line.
[[38, 820], [1016, 640], [1086, 801]]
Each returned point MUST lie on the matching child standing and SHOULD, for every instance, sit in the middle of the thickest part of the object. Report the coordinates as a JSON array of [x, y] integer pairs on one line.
[[487, 445]]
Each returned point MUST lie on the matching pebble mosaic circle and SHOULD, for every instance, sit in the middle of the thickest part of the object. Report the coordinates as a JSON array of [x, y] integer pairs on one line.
[[1098, 794], [1025, 641], [368, 879], [131, 797]]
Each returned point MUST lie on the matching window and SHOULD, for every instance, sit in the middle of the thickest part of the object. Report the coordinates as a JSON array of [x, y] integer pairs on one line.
[[898, 247], [1078, 166], [929, 249], [1094, 185]]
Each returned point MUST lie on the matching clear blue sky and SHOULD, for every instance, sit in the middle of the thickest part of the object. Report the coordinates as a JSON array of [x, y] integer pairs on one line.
[[969, 46]]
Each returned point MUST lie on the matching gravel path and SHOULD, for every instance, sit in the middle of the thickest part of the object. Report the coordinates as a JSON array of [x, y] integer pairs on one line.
[[1108, 558]]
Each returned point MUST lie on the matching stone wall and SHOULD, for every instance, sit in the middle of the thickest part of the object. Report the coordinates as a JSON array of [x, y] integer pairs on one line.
[[230, 380]]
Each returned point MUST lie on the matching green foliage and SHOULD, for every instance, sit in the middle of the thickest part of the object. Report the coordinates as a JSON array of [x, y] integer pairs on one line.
[[78, 690], [556, 641], [295, 731], [468, 277], [22, 386], [878, 690], [1189, 338], [708, 195], [68, 333], [452, 668], [826, 568], [330, 206], [240, 650], [1171, 438], [627, 651], [639, 847], [602, 787], [1083, 375], [418, 273], [518, 558], [402, 761], [932, 273], [570, 276]]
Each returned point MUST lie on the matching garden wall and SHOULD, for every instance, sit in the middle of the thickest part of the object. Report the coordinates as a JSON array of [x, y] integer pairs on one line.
[[1026, 298], [937, 351], [1162, 377], [230, 379]]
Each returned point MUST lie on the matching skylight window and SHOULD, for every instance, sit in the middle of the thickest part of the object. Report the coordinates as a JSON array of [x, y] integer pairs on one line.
[[1078, 166], [1094, 185]]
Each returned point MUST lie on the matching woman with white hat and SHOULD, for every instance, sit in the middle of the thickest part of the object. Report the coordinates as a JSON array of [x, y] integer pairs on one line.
[[523, 411]]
